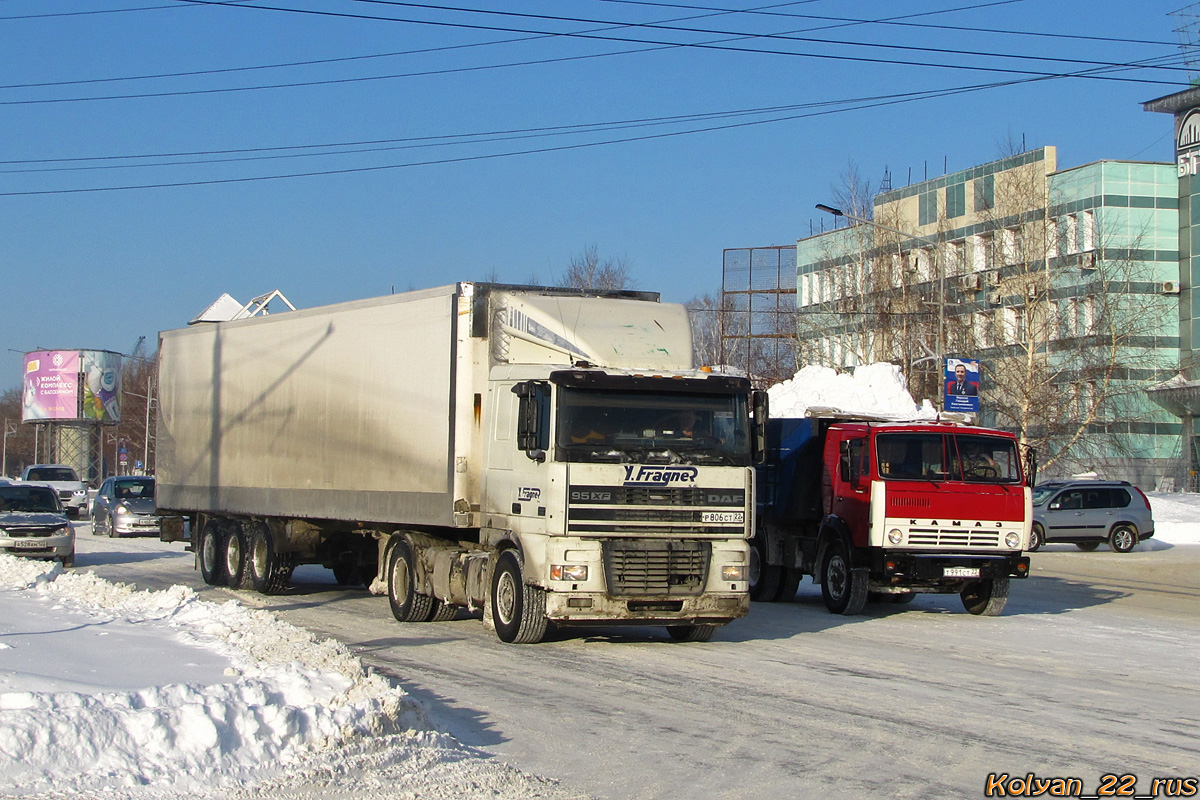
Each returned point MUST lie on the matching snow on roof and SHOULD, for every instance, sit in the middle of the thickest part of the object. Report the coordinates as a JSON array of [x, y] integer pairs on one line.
[[873, 390]]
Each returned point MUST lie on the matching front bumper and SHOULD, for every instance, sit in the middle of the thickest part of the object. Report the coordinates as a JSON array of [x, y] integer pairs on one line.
[[60, 545], [582, 608], [947, 571], [135, 524]]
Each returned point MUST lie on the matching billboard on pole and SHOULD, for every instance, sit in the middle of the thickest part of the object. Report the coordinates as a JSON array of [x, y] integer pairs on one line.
[[71, 385]]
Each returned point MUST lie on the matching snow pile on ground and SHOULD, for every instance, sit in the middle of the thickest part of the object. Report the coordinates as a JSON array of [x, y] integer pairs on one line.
[[873, 389], [281, 697], [1176, 519]]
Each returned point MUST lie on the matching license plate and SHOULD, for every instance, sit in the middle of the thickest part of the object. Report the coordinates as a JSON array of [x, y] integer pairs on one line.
[[723, 516], [960, 572], [28, 544]]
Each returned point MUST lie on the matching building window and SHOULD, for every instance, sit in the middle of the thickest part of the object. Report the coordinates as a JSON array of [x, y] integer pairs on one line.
[[927, 208], [956, 200], [985, 193], [955, 257], [1087, 231]]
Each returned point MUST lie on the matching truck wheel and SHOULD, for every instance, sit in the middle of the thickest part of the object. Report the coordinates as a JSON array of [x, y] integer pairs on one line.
[[1037, 537], [234, 554], [1123, 538], [985, 598], [518, 610], [267, 571], [764, 577], [208, 549], [691, 633], [789, 583], [407, 604], [843, 589], [347, 575], [443, 612]]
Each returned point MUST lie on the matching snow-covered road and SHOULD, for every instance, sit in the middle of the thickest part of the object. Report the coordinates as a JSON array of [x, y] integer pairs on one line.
[[108, 690]]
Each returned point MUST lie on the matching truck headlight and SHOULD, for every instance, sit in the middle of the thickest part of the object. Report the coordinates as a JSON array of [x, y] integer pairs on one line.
[[568, 572], [1012, 539], [895, 536], [733, 572]]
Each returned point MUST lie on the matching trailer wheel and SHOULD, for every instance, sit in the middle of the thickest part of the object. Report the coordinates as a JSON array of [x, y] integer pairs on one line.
[[691, 633], [208, 551], [987, 597], [764, 577], [843, 589], [268, 571], [234, 553], [1037, 537], [518, 610], [407, 604]]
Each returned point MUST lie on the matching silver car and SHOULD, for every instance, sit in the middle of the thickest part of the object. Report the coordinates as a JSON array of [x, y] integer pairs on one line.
[[34, 524], [124, 506], [1086, 513]]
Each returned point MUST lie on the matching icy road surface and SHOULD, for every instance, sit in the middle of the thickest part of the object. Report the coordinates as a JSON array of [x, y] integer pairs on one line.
[[1090, 671]]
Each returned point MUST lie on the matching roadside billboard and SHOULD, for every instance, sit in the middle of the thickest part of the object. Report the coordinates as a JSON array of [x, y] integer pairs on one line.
[[962, 385], [71, 385]]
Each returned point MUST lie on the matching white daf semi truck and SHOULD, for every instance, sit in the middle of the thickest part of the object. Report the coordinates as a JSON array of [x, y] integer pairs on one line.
[[542, 456]]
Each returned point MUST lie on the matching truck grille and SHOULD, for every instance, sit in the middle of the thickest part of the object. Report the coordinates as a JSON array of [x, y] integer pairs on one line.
[[639, 567], [642, 510], [953, 537]]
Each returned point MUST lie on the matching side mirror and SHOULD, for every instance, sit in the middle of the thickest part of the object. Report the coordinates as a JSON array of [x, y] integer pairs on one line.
[[533, 418], [758, 450]]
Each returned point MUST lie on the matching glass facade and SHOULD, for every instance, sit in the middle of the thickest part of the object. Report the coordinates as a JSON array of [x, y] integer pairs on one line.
[[1017, 257]]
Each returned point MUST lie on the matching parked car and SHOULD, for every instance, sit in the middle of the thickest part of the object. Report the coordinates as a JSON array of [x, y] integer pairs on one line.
[[1086, 513], [34, 524], [65, 480], [124, 506]]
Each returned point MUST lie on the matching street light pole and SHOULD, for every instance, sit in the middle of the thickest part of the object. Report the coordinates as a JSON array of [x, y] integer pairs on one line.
[[934, 246]]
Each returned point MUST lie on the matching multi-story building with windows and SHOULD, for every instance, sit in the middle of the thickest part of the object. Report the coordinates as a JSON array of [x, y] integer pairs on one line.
[[1063, 284]]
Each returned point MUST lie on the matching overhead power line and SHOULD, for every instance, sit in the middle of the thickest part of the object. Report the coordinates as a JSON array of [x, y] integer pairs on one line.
[[712, 45]]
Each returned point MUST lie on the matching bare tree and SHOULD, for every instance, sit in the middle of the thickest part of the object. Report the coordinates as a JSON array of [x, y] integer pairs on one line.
[[1067, 321], [591, 272], [18, 438]]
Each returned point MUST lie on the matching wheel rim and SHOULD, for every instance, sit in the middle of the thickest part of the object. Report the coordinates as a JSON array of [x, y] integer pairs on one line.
[[258, 556], [1124, 538], [233, 554], [208, 552], [1035, 537], [836, 576], [400, 579], [506, 597]]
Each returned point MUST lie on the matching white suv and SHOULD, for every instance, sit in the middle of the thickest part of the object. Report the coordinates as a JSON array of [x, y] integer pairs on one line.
[[71, 491]]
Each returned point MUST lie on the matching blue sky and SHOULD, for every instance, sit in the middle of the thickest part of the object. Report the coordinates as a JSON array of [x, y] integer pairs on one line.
[[91, 263]]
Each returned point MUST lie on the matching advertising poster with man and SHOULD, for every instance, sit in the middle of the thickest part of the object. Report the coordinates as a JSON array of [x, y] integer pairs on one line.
[[962, 386]]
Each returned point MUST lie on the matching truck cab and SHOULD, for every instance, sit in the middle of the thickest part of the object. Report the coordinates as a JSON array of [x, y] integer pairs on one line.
[[892, 509]]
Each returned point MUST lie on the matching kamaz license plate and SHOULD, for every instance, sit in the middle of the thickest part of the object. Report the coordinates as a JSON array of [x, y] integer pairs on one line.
[[723, 516], [960, 572]]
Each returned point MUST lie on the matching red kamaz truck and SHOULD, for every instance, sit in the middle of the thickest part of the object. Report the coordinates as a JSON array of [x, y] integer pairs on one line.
[[881, 510]]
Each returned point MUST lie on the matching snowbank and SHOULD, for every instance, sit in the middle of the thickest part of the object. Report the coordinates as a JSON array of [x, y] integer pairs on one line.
[[281, 696], [873, 389]]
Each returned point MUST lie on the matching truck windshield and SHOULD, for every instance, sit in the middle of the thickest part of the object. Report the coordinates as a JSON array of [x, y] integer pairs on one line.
[[947, 456], [625, 426]]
